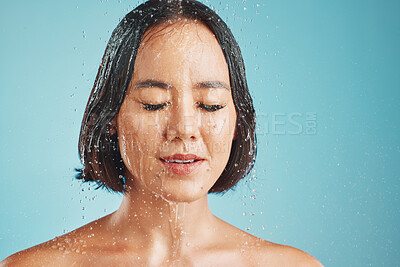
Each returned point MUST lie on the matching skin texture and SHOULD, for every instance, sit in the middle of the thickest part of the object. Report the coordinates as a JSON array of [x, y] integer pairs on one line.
[[164, 218], [186, 64]]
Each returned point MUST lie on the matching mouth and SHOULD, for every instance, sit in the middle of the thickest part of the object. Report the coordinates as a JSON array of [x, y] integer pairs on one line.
[[182, 164]]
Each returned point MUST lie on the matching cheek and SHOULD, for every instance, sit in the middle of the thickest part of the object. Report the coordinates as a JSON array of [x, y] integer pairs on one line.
[[127, 139], [218, 130], [140, 127], [139, 136]]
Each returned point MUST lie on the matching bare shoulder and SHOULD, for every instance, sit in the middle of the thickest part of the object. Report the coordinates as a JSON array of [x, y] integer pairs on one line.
[[44, 254], [273, 254], [259, 252], [60, 251]]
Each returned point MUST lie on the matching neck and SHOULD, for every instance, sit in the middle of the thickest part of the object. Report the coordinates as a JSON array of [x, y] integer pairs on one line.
[[161, 225]]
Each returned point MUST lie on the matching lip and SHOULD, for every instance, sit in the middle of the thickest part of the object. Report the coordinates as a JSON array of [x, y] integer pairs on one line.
[[182, 168]]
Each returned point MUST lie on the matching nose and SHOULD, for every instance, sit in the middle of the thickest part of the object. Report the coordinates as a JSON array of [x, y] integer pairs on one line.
[[183, 122]]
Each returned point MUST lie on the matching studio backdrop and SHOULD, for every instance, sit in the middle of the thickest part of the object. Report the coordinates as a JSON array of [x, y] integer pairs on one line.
[[324, 76]]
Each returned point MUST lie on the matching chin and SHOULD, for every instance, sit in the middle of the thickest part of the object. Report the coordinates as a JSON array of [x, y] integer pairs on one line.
[[183, 191], [182, 198], [175, 188]]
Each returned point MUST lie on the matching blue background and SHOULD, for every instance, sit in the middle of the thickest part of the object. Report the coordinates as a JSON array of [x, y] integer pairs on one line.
[[325, 80]]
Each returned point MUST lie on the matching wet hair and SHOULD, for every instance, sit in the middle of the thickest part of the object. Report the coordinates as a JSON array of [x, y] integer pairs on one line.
[[99, 149]]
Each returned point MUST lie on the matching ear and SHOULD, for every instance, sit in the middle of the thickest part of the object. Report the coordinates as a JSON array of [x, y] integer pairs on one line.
[[112, 126]]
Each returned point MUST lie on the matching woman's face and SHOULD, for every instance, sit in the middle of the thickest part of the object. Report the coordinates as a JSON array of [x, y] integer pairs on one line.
[[177, 122]]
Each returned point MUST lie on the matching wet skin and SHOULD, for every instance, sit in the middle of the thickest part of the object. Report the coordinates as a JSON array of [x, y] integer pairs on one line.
[[179, 102]]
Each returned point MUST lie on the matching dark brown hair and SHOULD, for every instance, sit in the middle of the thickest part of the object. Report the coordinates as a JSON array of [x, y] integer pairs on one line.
[[99, 150]]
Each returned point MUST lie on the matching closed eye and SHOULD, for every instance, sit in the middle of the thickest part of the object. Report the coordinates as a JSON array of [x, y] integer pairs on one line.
[[151, 107], [210, 108]]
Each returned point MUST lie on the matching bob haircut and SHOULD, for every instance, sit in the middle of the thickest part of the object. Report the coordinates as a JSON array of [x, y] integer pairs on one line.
[[99, 150]]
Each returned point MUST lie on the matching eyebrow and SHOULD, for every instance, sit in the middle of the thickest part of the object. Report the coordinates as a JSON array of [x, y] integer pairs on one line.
[[154, 83], [213, 84]]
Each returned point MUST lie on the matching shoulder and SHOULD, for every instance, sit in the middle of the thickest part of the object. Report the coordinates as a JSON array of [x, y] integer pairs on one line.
[[259, 252], [64, 250], [60, 251], [44, 254], [272, 254]]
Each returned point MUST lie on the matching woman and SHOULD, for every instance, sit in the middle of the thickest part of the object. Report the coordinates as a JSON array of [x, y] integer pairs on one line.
[[169, 120]]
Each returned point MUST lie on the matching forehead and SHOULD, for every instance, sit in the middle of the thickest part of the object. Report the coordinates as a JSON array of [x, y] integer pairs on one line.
[[182, 47], [176, 32]]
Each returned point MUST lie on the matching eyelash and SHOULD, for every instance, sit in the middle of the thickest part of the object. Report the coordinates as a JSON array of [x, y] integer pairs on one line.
[[150, 107], [208, 108]]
